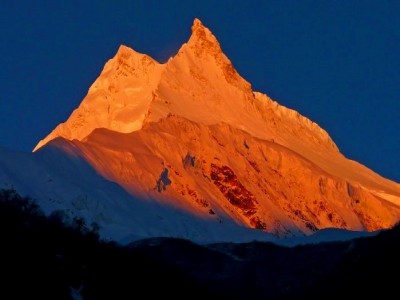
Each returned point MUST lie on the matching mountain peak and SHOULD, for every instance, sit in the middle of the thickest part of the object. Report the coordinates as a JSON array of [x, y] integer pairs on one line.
[[192, 135], [125, 50], [197, 25], [202, 40], [127, 56]]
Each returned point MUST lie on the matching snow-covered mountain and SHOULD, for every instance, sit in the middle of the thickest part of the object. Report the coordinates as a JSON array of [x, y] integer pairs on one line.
[[188, 149]]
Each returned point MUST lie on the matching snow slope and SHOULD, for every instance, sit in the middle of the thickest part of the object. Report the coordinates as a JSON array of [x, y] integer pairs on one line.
[[117, 100], [214, 171], [59, 179]]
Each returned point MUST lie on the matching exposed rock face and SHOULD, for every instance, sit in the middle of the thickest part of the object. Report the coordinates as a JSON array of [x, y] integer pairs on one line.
[[229, 185]]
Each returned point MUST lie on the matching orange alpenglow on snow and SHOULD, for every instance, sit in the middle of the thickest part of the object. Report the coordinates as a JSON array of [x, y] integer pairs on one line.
[[193, 135]]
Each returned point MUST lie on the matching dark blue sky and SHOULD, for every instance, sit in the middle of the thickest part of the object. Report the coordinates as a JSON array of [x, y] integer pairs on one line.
[[336, 62]]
